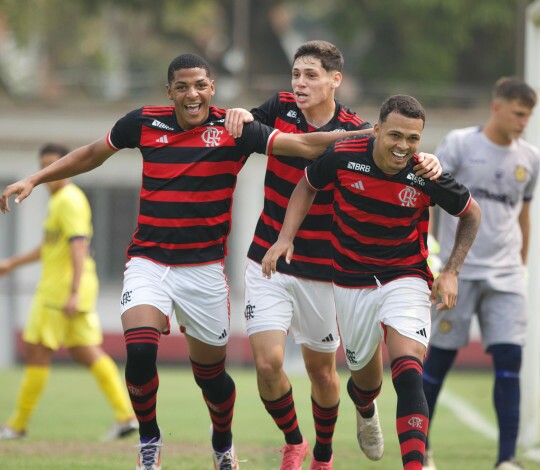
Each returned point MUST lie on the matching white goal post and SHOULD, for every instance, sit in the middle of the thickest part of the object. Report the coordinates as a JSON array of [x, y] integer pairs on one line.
[[530, 407]]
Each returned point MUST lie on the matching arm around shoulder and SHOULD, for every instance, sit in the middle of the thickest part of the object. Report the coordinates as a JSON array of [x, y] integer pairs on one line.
[[311, 145]]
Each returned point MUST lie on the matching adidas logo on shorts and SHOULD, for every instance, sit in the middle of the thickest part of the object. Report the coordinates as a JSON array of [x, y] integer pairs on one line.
[[422, 332]]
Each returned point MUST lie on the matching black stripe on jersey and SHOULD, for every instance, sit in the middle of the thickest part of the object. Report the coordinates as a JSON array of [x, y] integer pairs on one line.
[[319, 222], [379, 208], [170, 155], [187, 210], [182, 235], [376, 230], [377, 251], [179, 257], [285, 189], [190, 183]]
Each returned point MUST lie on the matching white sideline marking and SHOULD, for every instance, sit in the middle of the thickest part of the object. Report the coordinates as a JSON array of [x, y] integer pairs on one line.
[[474, 420], [468, 415]]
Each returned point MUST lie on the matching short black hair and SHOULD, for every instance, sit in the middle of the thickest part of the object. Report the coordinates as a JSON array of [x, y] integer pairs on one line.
[[52, 147], [402, 104], [513, 88], [187, 61], [329, 55]]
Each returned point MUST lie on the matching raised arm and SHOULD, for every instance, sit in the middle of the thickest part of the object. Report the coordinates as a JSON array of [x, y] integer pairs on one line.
[[445, 286], [299, 204], [80, 160], [312, 144]]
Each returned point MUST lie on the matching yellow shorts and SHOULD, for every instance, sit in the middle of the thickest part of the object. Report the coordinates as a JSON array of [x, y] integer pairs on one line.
[[53, 329]]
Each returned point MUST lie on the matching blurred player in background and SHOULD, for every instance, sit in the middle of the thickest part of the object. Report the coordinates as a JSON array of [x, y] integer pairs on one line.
[[381, 279], [176, 256], [63, 311], [501, 170], [299, 297]]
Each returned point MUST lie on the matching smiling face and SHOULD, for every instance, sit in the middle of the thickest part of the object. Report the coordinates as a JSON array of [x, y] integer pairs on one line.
[[312, 85], [191, 91], [396, 141]]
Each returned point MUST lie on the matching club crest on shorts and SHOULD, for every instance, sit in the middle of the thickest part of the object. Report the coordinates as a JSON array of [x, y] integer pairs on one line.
[[351, 356], [445, 326], [249, 312]]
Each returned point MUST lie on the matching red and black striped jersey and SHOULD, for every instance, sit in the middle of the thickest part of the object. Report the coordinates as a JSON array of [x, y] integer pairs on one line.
[[188, 179], [381, 221], [313, 259]]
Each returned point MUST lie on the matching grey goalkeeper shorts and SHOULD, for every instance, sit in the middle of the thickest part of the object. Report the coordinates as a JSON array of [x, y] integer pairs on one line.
[[500, 304]]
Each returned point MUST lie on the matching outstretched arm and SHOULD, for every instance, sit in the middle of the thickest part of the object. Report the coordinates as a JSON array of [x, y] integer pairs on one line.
[[445, 286], [299, 204], [312, 144], [9, 264], [78, 161]]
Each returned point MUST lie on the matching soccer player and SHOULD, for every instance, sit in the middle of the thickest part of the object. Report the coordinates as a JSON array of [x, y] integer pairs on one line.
[[63, 311], [501, 170], [299, 297], [176, 256], [380, 274]]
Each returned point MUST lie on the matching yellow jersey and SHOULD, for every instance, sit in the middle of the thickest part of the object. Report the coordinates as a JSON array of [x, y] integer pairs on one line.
[[69, 216]]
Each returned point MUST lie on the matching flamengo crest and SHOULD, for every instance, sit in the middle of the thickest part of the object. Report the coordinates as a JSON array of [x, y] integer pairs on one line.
[[211, 136], [408, 196]]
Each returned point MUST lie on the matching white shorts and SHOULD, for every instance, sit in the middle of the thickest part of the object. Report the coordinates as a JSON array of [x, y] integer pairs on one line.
[[402, 304], [199, 295], [284, 302]]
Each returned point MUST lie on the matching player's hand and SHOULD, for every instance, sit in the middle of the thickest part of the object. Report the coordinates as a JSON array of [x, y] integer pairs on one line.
[[22, 188], [445, 287], [5, 267], [235, 120], [278, 249], [428, 167], [70, 308]]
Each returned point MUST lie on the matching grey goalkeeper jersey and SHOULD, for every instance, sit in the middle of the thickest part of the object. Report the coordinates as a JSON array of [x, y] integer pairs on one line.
[[500, 178]]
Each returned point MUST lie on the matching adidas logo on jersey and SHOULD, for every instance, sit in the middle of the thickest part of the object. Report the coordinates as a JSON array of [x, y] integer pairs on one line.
[[328, 339], [159, 124], [163, 139], [358, 185], [422, 332], [291, 114]]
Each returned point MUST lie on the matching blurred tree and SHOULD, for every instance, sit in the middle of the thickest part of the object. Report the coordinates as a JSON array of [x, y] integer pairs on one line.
[[423, 41], [120, 48]]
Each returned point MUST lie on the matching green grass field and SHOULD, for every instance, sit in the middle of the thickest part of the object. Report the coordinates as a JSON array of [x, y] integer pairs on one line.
[[66, 428]]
